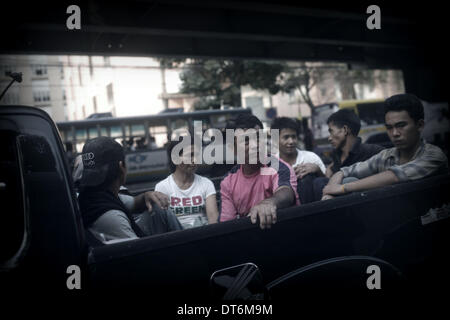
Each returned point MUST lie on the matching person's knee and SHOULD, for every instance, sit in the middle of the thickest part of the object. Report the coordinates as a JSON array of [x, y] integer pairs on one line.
[[308, 179], [320, 183], [171, 219], [305, 188], [305, 182]]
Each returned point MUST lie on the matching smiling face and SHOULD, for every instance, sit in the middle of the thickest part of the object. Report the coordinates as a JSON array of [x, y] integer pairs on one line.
[[403, 131], [288, 142], [338, 136]]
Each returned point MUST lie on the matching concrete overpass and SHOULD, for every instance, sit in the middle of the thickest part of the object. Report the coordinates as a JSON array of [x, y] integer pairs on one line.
[[412, 36]]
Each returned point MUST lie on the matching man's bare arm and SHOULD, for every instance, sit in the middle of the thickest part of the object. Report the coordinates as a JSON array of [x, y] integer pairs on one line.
[[283, 197], [336, 178], [266, 210], [378, 180], [381, 179], [329, 172]]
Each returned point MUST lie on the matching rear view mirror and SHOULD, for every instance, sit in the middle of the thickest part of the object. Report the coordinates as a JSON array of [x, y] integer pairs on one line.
[[241, 282]]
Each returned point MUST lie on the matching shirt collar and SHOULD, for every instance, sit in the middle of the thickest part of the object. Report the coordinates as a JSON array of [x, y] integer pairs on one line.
[[355, 149], [356, 146], [396, 153]]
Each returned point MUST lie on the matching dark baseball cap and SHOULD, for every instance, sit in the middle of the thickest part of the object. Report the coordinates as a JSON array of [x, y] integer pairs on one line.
[[97, 155]]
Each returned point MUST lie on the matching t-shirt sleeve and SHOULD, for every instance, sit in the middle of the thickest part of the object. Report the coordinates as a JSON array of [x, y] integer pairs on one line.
[[285, 177], [431, 162], [209, 187], [163, 187], [316, 160], [127, 200], [228, 210], [114, 224]]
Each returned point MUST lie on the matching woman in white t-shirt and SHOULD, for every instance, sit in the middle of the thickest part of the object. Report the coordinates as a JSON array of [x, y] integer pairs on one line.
[[191, 197]]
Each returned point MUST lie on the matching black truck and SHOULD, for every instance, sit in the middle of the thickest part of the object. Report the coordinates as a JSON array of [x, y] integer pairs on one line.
[[403, 230]]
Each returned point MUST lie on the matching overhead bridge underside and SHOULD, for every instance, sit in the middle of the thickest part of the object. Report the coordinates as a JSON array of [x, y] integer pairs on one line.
[[408, 38]]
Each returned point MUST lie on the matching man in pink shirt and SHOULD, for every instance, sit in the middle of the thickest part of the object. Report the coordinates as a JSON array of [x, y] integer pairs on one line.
[[256, 190]]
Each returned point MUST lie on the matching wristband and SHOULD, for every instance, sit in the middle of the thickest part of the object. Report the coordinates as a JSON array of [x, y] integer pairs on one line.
[[343, 188]]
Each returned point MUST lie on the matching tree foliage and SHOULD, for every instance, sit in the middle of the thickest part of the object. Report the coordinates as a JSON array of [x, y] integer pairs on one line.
[[218, 82]]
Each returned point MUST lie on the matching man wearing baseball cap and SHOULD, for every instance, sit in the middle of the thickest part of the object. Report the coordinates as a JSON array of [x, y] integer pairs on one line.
[[107, 214]]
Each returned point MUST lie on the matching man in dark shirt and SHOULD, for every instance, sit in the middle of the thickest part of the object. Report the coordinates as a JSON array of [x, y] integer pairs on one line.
[[358, 152], [344, 126]]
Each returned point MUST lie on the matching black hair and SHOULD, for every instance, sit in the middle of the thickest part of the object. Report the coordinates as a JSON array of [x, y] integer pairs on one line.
[[171, 145], [348, 118], [405, 102], [244, 121], [281, 123]]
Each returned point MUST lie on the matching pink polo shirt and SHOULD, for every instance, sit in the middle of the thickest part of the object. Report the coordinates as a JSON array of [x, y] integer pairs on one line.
[[239, 193]]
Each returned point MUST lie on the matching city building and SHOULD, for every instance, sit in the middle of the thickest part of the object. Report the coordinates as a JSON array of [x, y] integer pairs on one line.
[[42, 83], [76, 87]]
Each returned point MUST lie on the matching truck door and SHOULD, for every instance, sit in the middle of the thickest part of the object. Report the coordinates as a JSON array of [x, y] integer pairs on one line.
[[41, 227]]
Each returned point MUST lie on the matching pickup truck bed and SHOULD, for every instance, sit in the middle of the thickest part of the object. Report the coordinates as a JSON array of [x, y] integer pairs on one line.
[[43, 219]]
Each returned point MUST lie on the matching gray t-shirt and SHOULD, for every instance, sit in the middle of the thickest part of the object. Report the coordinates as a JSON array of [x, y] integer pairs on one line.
[[114, 225]]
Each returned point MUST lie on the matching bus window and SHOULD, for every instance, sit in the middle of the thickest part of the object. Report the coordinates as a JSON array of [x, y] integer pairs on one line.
[[68, 135], [81, 135], [179, 128], [80, 138], [159, 134], [116, 132], [104, 132], [93, 133], [206, 124], [219, 121], [137, 130]]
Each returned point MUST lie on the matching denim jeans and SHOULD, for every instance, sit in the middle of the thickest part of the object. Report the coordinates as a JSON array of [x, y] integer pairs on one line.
[[158, 221]]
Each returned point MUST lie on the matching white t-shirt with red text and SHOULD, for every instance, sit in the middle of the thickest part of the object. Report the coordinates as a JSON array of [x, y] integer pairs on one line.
[[189, 204]]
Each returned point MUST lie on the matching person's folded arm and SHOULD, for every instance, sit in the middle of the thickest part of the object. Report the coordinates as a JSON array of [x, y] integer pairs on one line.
[[363, 169], [333, 184], [329, 172], [431, 162], [336, 178], [378, 180]]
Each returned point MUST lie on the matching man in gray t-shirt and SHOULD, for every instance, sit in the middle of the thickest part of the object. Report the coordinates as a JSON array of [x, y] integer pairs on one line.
[[109, 215]]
